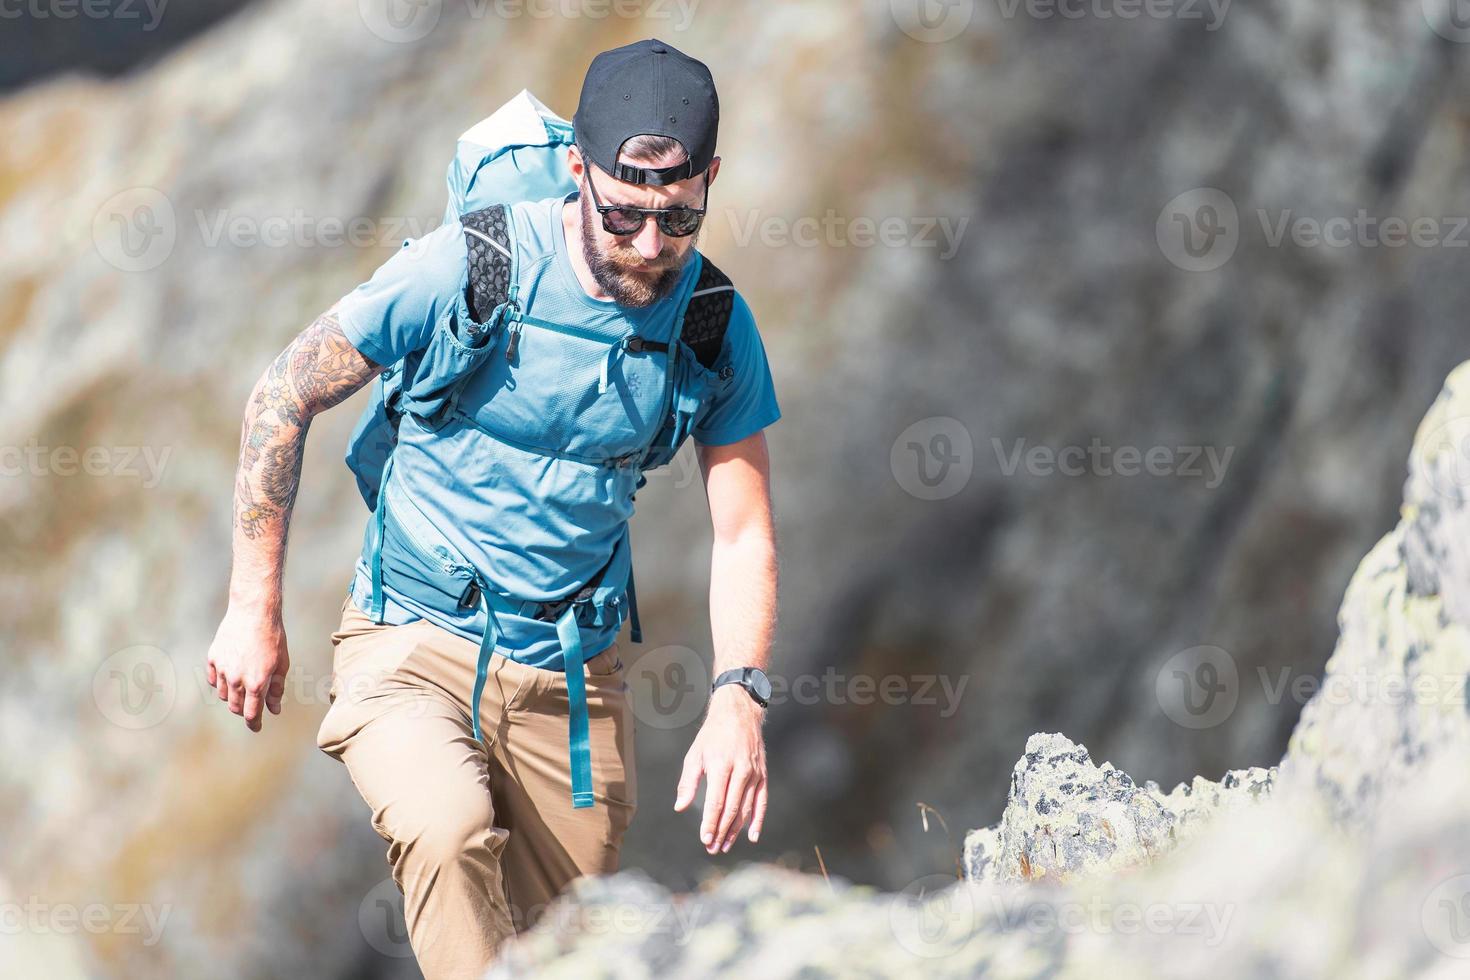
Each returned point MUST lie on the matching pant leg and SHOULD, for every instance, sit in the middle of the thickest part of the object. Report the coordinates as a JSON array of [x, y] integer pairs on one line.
[[531, 785], [409, 748]]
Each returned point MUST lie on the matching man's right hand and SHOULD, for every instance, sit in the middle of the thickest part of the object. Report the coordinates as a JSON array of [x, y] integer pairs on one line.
[[248, 662]]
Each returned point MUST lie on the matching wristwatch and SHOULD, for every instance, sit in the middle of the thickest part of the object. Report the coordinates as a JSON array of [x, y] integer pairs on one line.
[[753, 679]]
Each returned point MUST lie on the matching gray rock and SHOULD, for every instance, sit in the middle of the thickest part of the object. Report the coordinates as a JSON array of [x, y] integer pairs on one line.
[[1066, 816]]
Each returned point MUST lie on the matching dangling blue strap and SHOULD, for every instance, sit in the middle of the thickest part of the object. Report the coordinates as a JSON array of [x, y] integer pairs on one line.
[[482, 665], [376, 601], [636, 633], [578, 739]]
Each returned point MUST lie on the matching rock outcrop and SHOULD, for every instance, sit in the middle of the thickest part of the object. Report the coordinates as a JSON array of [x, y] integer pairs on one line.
[[1348, 860], [1066, 816]]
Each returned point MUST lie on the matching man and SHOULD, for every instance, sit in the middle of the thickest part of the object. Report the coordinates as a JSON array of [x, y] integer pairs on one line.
[[473, 797]]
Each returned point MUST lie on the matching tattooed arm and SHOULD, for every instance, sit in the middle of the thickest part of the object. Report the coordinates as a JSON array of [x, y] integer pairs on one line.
[[248, 659]]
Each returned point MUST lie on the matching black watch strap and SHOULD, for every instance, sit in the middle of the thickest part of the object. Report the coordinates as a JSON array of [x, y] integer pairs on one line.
[[753, 679]]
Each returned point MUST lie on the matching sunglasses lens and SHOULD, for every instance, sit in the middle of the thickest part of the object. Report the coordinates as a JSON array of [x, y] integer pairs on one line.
[[680, 222], [622, 221]]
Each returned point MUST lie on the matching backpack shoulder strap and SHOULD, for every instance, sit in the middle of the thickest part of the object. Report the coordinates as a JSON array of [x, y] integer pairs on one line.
[[708, 313], [487, 239]]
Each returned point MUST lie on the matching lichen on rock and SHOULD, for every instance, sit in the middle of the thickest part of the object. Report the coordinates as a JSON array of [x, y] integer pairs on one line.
[[1066, 816]]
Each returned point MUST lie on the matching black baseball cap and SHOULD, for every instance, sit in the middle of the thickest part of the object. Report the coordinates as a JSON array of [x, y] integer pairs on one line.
[[647, 87]]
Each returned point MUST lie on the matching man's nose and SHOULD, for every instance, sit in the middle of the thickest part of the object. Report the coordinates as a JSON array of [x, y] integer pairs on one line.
[[649, 241]]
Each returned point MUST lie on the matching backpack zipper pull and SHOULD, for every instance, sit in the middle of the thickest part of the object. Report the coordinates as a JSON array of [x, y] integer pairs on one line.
[[514, 343]]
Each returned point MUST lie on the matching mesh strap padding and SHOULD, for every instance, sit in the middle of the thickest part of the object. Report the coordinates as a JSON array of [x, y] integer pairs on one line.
[[489, 267], [709, 314]]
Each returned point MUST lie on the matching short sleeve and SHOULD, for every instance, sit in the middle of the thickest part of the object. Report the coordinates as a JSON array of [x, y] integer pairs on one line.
[[745, 403], [394, 312]]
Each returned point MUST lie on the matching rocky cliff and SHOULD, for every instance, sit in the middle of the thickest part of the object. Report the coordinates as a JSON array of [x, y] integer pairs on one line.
[[1349, 861]]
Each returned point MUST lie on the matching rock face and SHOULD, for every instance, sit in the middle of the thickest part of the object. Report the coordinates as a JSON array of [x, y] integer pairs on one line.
[[1349, 860], [1395, 691], [1066, 816]]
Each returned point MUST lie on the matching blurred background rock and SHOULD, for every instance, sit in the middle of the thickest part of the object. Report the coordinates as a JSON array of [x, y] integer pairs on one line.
[[1082, 256]]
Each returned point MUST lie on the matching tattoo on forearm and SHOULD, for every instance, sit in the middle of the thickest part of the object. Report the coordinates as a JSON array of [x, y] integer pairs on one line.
[[318, 370]]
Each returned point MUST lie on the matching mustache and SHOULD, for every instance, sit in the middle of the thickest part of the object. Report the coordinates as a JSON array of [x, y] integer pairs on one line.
[[628, 257]]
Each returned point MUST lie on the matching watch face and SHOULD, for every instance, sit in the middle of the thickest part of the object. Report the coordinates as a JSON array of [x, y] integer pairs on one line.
[[760, 683]]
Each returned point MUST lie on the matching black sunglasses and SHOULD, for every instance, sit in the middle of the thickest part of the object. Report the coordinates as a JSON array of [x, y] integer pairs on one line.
[[679, 221]]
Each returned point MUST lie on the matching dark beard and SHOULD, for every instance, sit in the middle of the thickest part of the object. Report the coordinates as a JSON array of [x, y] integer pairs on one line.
[[610, 268]]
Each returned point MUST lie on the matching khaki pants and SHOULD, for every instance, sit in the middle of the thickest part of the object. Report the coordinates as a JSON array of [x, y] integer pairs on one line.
[[481, 835]]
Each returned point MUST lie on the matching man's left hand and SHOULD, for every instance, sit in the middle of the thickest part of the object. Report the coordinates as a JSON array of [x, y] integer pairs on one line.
[[731, 752]]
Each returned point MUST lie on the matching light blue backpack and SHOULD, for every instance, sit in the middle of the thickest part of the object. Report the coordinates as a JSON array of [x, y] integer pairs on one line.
[[518, 154]]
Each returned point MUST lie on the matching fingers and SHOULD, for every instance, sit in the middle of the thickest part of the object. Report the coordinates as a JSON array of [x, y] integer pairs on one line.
[[688, 781], [253, 703], [209, 672], [276, 692], [714, 805], [729, 812], [747, 803], [759, 818]]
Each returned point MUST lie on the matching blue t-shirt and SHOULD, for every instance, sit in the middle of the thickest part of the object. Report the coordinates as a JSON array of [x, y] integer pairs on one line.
[[536, 525]]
